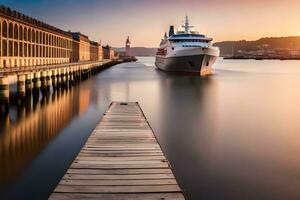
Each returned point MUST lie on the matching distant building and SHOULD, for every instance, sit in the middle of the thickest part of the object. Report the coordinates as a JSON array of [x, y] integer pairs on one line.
[[116, 55], [108, 52], [100, 52], [127, 47], [81, 48], [94, 46]]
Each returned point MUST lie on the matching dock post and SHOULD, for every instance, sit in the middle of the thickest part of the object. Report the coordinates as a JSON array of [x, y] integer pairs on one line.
[[75, 74], [71, 77], [67, 76], [58, 77], [4, 94], [44, 80], [28, 83], [21, 85], [48, 78], [37, 81], [53, 78]]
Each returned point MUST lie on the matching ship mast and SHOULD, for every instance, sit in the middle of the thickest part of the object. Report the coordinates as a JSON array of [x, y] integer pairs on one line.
[[186, 25]]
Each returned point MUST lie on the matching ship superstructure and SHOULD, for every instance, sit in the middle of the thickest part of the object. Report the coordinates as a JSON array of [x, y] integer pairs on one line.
[[186, 51]]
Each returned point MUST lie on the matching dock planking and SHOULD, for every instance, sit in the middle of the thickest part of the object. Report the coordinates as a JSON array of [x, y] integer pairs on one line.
[[120, 160]]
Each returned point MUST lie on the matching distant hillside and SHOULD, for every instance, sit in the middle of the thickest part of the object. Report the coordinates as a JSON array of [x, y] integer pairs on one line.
[[140, 51], [227, 47]]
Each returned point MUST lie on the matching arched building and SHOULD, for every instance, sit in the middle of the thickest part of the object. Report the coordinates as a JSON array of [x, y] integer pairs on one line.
[[25, 41]]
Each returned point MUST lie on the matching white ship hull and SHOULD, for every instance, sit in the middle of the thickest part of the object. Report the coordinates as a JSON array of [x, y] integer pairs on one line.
[[195, 60]]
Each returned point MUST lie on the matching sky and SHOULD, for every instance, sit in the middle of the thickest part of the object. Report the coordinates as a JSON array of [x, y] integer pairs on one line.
[[146, 21]]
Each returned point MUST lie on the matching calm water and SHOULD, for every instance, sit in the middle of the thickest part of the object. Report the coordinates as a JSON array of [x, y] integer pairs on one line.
[[233, 135]]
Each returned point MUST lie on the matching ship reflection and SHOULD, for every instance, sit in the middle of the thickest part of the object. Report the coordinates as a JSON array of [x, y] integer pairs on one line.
[[31, 122]]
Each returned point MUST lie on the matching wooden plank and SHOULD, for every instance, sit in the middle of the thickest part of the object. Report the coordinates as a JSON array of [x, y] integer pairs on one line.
[[116, 189], [143, 196], [119, 182], [119, 171], [120, 160], [118, 176]]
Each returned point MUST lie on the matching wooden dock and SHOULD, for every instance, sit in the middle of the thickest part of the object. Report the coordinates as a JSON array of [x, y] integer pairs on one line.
[[120, 160]]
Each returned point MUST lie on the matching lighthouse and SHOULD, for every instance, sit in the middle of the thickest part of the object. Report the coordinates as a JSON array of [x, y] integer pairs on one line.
[[127, 47]]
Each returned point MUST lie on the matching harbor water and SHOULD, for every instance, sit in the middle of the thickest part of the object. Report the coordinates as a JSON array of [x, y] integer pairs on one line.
[[232, 135]]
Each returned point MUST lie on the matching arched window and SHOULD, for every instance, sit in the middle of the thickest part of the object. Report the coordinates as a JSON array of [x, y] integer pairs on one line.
[[33, 35], [25, 50], [41, 37], [25, 34], [4, 48], [4, 29], [15, 48], [20, 49], [33, 50], [36, 50], [47, 39], [29, 35], [37, 37], [20, 33], [29, 50], [10, 30], [16, 32], [10, 48]]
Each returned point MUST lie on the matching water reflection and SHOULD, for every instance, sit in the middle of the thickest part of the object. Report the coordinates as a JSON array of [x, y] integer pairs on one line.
[[32, 122], [234, 135]]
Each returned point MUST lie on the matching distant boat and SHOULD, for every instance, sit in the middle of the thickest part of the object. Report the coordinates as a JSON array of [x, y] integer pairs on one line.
[[186, 51]]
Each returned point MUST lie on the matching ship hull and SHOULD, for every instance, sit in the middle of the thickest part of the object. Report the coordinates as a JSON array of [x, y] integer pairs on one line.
[[196, 64]]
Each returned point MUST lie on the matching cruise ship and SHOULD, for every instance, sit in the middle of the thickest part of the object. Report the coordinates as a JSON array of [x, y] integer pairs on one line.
[[186, 51]]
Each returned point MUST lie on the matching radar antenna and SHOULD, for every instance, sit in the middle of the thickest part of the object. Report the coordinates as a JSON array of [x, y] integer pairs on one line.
[[186, 25]]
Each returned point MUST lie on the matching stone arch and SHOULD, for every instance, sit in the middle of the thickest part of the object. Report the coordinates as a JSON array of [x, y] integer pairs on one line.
[[20, 33], [33, 35], [25, 34], [10, 48], [25, 50], [16, 50], [36, 37], [10, 30], [16, 32], [4, 29], [41, 37], [20, 49], [4, 48], [29, 35]]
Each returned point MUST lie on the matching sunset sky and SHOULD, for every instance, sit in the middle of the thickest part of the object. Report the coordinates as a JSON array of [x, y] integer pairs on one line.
[[145, 21]]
